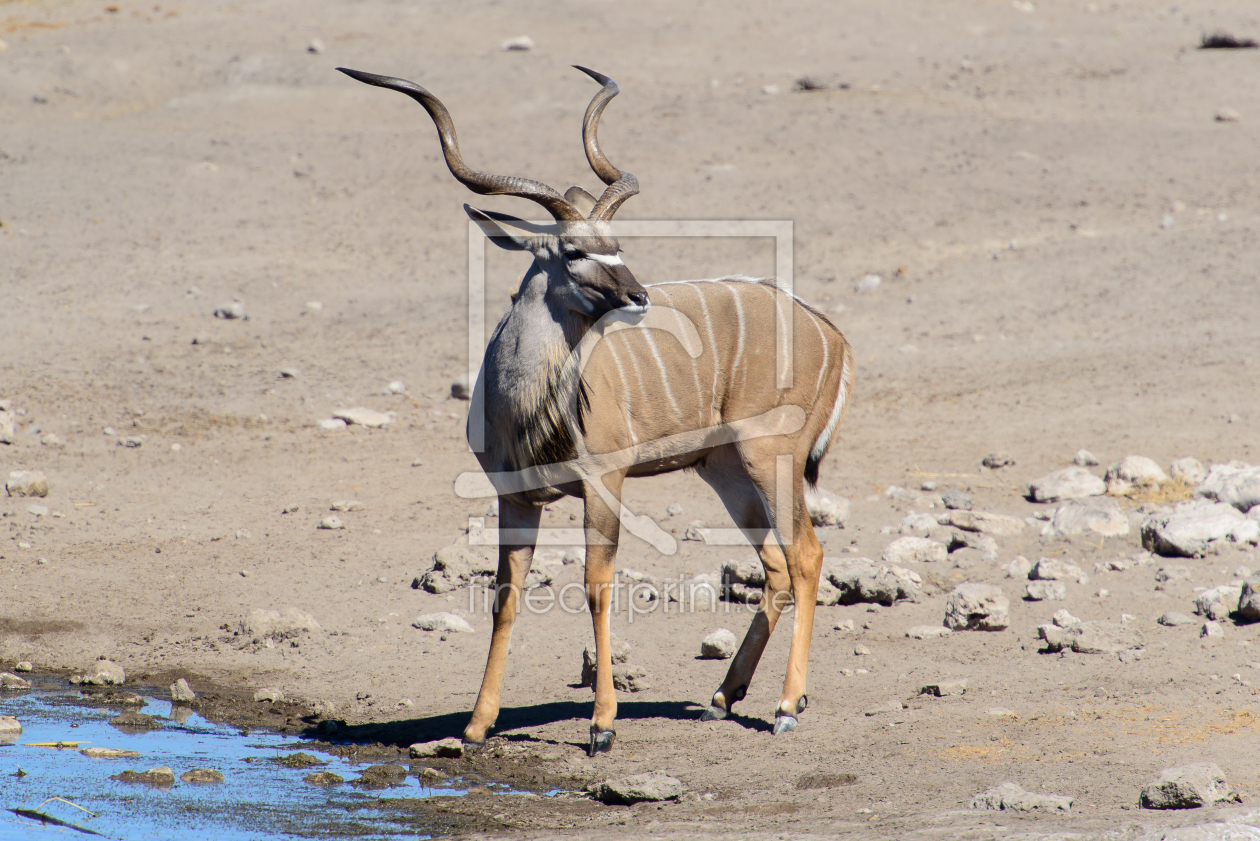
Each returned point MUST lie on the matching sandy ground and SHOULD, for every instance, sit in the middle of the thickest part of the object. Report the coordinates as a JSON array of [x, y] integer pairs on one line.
[[1068, 244]]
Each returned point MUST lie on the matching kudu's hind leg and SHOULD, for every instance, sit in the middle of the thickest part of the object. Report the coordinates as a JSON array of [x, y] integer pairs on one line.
[[603, 526], [518, 532], [725, 472]]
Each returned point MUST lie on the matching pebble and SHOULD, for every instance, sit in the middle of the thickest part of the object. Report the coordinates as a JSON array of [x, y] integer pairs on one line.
[[315, 46], [1173, 619], [1133, 473], [843, 625], [323, 778], [24, 666], [719, 645], [862, 580], [105, 673], [277, 624], [868, 284], [37, 510], [461, 388], [1211, 629], [998, 460], [983, 522], [654, 786], [1019, 568], [27, 483], [770, 90], [346, 505], [1063, 619], [362, 416], [519, 44], [826, 508], [162, 776], [51, 440], [331, 522], [446, 622], [181, 692], [1084, 458], [892, 706], [860, 650], [109, 753], [1188, 471], [977, 607], [1045, 591], [924, 632], [449, 747], [395, 387], [1187, 787], [331, 424], [131, 442], [914, 550], [1091, 637], [1054, 569], [956, 500], [232, 310], [945, 689], [288, 373], [1227, 115], [1068, 483], [1249, 601], [1100, 515], [674, 510], [12, 682], [202, 775], [270, 694]]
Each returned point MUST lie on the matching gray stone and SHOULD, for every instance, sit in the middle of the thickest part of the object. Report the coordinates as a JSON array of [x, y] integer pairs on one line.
[[449, 747], [630, 679], [9, 726], [461, 389], [1054, 569], [914, 550], [269, 694], [1211, 629], [363, 416], [1249, 601], [1217, 603], [284, 624], [743, 580], [998, 460], [696, 531], [1010, 797], [1188, 471], [826, 508], [1063, 619], [105, 673], [956, 500], [230, 311], [10, 681], [983, 522], [1084, 458], [1187, 787], [893, 706], [1097, 514], [1236, 483], [1192, 527], [651, 787], [7, 427], [1134, 473], [1020, 567], [719, 645], [445, 622], [331, 523], [26, 483], [331, 424], [1045, 591], [862, 580], [346, 505], [1174, 572], [620, 655], [201, 775], [1172, 619], [1092, 637], [925, 632], [162, 777], [918, 525], [945, 688], [977, 607], [181, 692], [1068, 483]]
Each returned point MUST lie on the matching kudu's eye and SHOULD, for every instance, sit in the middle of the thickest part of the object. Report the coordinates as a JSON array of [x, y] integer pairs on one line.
[[573, 256]]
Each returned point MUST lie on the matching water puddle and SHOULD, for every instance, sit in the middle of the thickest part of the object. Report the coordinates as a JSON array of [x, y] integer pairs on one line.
[[258, 798]]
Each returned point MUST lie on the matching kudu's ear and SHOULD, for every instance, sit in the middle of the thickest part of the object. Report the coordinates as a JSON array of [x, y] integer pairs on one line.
[[580, 199], [504, 231]]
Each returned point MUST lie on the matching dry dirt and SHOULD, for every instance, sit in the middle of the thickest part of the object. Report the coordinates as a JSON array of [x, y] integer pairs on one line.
[[1068, 244]]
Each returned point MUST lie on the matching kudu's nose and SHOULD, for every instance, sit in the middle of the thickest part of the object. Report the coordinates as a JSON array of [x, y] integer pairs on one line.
[[639, 299]]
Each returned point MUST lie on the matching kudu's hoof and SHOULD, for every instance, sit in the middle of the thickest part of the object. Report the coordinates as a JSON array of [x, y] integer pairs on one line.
[[601, 741], [472, 747], [784, 723], [713, 713]]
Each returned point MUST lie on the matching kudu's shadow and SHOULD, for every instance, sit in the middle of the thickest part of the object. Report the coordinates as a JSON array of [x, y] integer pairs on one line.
[[408, 731]]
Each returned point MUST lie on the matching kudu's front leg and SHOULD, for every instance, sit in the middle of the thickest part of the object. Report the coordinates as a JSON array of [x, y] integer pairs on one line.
[[518, 532], [603, 527]]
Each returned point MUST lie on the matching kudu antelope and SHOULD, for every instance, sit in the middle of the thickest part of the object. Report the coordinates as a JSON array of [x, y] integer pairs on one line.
[[590, 377]]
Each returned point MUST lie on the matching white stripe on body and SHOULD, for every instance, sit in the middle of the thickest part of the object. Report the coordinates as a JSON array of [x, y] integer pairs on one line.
[[625, 389], [820, 446], [826, 349]]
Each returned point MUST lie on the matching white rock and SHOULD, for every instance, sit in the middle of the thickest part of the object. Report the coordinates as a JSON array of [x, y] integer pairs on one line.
[[1092, 637], [105, 673], [1054, 569], [231, 310], [914, 550], [1063, 619], [270, 694], [924, 632], [1188, 471], [1068, 483], [719, 645], [315, 46], [1193, 526], [1084, 458], [918, 525], [1134, 472], [1019, 568], [1211, 629], [7, 427], [396, 387], [825, 507], [181, 692], [10, 681], [9, 726], [331, 522], [449, 747], [442, 622], [868, 284], [1227, 115], [1095, 514], [1189, 787], [945, 688], [1011, 798], [27, 483], [1217, 602], [364, 417], [346, 505], [519, 44], [1045, 591], [983, 522], [980, 607], [1172, 619], [331, 424], [1236, 483]]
